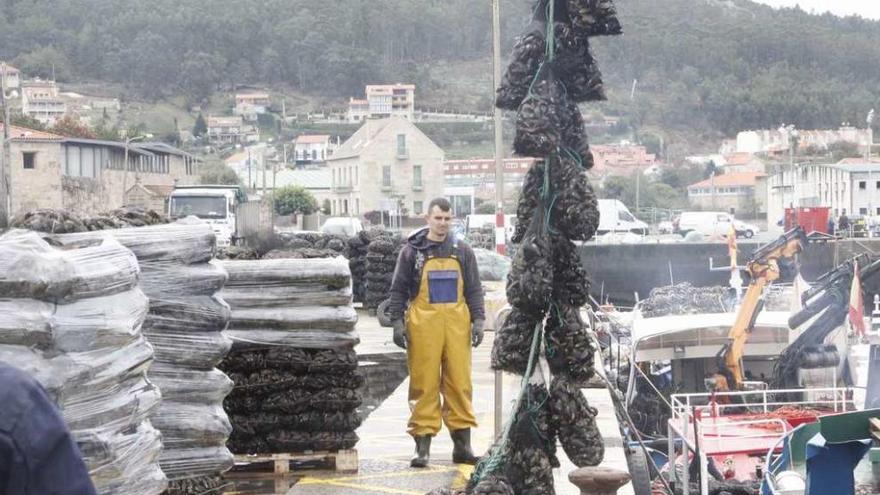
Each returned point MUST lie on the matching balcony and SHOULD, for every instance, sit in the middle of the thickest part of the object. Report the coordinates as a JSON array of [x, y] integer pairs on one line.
[[342, 188], [402, 153]]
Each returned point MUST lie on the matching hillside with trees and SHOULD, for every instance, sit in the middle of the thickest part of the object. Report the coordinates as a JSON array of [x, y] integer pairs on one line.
[[700, 67]]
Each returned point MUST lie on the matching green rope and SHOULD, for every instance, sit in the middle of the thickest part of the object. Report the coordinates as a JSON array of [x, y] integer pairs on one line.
[[574, 156], [550, 42]]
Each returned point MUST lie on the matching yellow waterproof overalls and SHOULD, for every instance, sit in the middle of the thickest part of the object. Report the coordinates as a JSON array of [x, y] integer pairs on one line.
[[438, 324]]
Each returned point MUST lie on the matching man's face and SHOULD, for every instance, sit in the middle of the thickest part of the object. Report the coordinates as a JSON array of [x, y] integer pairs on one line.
[[438, 222]]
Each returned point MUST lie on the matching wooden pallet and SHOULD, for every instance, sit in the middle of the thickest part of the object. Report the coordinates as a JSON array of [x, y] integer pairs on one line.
[[342, 461]]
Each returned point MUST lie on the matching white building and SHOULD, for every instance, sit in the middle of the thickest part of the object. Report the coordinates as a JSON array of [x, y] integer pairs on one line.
[[387, 165], [851, 186], [250, 105], [384, 101], [41, 100], [12, 79], [776, 141], [312, 148], [231, 130]]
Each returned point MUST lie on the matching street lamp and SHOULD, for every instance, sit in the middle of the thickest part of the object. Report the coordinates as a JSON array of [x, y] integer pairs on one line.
[[6, 161], [791, 135], [128, 142], [870, 120]]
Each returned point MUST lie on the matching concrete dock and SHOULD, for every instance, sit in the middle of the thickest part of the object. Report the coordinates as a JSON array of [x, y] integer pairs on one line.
[[385, 448]]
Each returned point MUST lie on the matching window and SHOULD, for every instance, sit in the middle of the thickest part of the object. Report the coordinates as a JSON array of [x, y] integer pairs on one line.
[[863, 211], [417, 208], [314, 154], [29, 159], [417, 176], [386, 176], [862, 184], [877, 185], [401, 144]]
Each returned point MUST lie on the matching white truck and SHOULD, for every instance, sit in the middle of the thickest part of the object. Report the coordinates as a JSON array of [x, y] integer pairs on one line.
[[614, 216], [218, 205]]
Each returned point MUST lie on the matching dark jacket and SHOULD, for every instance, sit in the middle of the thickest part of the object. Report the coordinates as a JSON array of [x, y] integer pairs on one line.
[[37, 454], [408, 273]]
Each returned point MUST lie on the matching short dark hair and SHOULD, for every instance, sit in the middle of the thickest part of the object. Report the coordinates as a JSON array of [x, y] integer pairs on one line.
[[441, 203]]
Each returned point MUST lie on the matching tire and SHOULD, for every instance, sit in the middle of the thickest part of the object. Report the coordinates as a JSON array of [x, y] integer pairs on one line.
[[639, 469], [684, 233], [748, 234]]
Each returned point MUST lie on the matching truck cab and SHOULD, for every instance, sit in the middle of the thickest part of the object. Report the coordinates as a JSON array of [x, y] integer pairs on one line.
[[216, 205]]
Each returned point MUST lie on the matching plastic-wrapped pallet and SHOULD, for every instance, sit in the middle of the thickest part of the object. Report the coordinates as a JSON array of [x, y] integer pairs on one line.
[[293, 359], [72, 318], [185, 323]]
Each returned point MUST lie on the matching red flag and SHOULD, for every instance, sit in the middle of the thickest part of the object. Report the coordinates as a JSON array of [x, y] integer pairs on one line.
[[856, 305]]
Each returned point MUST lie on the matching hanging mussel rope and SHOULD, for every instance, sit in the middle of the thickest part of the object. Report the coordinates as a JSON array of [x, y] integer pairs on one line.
[[552, 70]]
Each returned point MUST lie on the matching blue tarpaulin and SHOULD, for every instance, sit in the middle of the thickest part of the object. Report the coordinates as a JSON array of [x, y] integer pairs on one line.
[[830, 466]]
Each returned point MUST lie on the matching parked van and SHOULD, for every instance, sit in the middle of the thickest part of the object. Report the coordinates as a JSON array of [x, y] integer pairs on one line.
[[615, 217], [708, 223]]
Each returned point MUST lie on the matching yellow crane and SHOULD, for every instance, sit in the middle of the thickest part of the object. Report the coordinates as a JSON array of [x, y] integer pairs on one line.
[[765, 267]]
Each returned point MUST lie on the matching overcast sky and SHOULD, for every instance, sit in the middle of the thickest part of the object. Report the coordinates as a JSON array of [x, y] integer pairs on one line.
[[864, 8]]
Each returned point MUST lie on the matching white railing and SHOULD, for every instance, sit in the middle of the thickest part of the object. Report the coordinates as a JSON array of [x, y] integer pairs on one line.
[[695, 417], [835, 398]]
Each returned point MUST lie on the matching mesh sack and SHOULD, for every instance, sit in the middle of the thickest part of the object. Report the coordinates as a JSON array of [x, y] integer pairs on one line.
[[568, 346], [576, 66], [530, 281], [263, 423], [575, 422], [571, 287], [528, 54], [513, 342], [594, 17], [575, 210], [539, 119]]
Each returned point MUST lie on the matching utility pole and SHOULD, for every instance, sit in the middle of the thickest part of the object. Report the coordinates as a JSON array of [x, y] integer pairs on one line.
[[872, 189], [5, 162], [128, 141], [499, 181], [499, 145], [638, 185]]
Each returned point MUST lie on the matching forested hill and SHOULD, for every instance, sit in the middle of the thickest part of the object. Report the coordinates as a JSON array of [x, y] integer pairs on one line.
[[718, 65]]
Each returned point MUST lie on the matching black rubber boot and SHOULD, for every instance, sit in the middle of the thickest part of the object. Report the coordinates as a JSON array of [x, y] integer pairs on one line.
[[461, 450], [423, 452]]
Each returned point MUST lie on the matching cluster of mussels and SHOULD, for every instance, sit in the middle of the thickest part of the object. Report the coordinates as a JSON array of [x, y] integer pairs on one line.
[[552, 71]]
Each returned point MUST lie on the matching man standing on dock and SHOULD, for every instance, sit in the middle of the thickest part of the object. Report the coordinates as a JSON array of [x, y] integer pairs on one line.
[[437, 277]]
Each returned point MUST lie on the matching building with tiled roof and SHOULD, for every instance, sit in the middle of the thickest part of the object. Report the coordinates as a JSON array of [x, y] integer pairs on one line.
[[312, 148], [388, 165], [89, 175], [735, 191]]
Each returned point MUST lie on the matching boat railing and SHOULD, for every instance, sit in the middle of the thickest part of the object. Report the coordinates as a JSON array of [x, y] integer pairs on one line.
[[724, 423], [836, 399], [772, 468]]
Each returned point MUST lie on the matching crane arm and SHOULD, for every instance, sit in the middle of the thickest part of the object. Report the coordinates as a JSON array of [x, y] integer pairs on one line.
[[764, 269]]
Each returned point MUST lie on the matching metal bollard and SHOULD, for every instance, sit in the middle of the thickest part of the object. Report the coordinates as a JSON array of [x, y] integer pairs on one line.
[[598, 480]]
